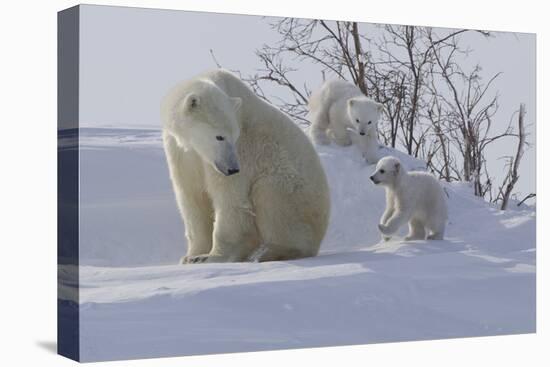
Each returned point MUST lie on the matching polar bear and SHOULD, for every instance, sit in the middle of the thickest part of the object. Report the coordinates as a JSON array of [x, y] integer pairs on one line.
[[248, 183], [413, 197], [341, 113]]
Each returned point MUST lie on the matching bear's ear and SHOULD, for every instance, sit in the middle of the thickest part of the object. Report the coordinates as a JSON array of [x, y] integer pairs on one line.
[[237, 102], [351, 102], [380, 107], [192, 101]]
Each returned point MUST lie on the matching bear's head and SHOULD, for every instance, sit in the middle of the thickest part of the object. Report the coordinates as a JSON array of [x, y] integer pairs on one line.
[[363, 114], [203, 118], [387, 172]]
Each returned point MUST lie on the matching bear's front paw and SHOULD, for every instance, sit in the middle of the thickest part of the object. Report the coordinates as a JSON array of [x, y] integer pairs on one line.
[[384, 230], [195, 259]]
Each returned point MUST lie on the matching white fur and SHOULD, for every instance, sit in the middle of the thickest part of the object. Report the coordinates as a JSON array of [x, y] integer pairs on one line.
[[341, 113], [413, 197], [245, 176]]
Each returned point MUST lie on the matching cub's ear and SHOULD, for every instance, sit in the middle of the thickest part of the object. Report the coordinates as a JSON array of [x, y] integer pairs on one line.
[[192, 101], [237, 102], [397, 168], [351, 102], [380, 107]]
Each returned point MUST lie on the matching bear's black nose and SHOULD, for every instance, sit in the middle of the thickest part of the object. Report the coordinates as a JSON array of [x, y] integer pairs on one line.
[[361, 133], [232, 171]]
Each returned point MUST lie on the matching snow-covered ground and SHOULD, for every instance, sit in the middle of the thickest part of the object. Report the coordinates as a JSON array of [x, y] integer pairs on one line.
[[136, 302]]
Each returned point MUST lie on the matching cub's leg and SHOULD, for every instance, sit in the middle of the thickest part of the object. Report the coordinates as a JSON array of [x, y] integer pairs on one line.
[[369, 148], [437, 235], [319, 136], [319, 126], [436, 229], [390, 208], [416, 230], [398, 218], [339, 135], [338, 129]]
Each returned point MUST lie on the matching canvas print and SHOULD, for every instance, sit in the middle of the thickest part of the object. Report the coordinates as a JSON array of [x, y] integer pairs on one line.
[[234, 183]]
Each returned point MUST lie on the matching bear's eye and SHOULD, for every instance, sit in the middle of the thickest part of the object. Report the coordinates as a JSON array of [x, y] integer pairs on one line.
[[220, 138], [357, 120], [382, 171], [369, 122]]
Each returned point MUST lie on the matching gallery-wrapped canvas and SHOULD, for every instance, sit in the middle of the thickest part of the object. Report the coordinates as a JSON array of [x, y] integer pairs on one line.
[[234, 183]]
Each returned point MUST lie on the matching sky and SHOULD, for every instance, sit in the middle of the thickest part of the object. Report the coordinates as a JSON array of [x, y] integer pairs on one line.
[[130, 57]]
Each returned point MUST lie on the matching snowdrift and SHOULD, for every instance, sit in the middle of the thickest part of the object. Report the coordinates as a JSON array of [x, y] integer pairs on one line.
[[135, 301]]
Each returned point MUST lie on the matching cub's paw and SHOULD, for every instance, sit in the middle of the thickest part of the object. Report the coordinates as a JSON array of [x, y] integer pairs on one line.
[[384, 230]]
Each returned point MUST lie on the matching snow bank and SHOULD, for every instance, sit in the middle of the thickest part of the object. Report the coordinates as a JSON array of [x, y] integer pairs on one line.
[[129, 216], [135, 302]]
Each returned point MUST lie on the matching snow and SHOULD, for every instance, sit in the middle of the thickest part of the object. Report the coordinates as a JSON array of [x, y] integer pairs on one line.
[[136, 302]]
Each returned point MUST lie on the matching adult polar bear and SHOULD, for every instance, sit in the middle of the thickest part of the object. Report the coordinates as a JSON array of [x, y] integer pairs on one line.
[[248, 182]]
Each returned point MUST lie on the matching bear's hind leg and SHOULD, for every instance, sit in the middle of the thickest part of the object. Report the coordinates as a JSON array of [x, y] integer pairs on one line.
[[235, 236], [273, 252], [233, 239], [284, 241], [436, 235], [285, 231]]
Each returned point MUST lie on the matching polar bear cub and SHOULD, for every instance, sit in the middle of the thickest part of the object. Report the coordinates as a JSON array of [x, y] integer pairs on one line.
[[341, 113], [413, 197]]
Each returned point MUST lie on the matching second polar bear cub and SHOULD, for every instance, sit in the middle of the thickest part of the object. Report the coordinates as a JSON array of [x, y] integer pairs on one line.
[[341, 113], [413, 197]]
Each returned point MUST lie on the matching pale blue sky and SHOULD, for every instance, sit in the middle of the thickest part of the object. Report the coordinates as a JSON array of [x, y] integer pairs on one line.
[[130, 57]]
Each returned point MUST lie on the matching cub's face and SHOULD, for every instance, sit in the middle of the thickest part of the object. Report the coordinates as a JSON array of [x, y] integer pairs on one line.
[[364, 114], [387, 171], [206, 122]]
